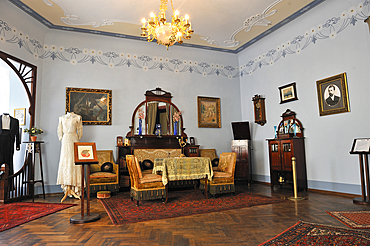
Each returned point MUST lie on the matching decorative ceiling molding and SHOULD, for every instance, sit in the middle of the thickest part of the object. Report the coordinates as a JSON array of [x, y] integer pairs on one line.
[[255, 20], [70, 23], [70, 19]]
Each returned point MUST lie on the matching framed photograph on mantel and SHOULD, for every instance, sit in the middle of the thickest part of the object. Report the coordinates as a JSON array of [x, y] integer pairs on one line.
[[94, 105], [209, 112], [288, 93], [332, 94]]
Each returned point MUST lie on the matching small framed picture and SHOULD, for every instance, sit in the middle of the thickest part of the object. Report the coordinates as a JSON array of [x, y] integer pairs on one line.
[[85, 153], [192, 141], [20, 115], [119, 141], [333, 95], [288, 93]]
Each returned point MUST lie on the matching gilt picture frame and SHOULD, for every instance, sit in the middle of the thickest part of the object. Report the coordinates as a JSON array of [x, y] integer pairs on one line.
[[85, 153], [20, 115], [94, 105], [209, 112], [332, 95], [288, 93]]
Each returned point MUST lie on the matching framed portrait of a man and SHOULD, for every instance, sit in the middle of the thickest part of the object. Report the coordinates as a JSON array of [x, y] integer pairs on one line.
[[332, 94]]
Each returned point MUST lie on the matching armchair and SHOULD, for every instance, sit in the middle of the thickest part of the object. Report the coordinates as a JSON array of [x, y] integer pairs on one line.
[[211, 153], [104, 175], [144, 186], [223, 175]]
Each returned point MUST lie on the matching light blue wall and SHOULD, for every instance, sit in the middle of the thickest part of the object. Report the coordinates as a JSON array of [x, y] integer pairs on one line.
[[328, 138], [127, 82]]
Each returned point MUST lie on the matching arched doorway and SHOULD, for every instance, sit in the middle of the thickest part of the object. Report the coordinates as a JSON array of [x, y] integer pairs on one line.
[[27, 74]]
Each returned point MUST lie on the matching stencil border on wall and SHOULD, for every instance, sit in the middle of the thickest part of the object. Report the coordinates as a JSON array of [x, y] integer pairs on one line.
[[217, 120], [342, 106], [92, 114]]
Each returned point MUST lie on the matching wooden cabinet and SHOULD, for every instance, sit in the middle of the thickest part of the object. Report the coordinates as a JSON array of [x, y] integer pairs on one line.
[[243, 168], [191, 151], [289, 142], [281, 152]]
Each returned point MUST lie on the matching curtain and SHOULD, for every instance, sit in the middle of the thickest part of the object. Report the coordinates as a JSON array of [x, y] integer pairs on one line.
[[151, 116]]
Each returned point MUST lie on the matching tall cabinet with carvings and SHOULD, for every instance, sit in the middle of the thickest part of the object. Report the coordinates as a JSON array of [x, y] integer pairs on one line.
[[288, 143]]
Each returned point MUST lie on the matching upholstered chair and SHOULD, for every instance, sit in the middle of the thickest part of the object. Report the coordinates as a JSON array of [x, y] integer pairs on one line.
[[223, 175], [144, 186], [211, 153], [104, 175]]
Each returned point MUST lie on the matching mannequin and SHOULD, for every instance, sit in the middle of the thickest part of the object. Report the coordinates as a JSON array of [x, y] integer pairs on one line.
[[9, 133], [69, 174]]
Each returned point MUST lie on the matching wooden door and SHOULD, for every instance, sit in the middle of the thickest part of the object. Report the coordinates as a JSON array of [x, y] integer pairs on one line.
[[275, 159], [286, 155]]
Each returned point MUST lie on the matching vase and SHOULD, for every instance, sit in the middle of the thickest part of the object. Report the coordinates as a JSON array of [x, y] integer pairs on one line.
[[33, 138], [175, 128], [140, 127]]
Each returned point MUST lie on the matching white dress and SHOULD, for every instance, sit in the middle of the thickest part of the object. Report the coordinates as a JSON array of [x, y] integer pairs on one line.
[[69, 174]]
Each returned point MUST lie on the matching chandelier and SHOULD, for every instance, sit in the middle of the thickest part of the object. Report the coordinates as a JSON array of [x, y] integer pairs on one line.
[[166, 33]]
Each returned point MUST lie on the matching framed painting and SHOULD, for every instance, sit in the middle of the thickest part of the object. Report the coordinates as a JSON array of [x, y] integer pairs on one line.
[[94, 105], [85, 153], [20, 115], [332, 94], [209, 112], [288, 93]]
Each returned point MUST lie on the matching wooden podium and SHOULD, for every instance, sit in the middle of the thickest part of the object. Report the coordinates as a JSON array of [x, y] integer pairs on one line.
[[85, 155], [361, 147]]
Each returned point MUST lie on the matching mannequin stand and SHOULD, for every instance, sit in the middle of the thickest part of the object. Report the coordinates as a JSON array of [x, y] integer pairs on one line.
[[69, 192]]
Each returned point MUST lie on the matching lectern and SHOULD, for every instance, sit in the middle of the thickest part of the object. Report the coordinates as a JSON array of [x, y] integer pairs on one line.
[[85, 155], [361, 147]]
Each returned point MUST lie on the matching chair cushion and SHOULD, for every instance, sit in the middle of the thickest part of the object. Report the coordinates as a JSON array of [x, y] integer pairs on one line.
[[150, 178], [217, 174], [147, 164], [224, 162], [107, 167], [103, 177]]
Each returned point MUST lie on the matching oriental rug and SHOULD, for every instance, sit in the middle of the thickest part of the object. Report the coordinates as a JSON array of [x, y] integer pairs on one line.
[[14, 214], [304, 233], [353, 219], [122, 210]]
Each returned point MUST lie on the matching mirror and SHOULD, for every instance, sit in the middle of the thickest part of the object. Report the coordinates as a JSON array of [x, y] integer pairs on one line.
[[157, 112]]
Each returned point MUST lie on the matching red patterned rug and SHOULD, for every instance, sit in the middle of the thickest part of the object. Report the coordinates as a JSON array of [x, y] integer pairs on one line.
[[353, 219], [14, 214], [122, 210], [314, 234]]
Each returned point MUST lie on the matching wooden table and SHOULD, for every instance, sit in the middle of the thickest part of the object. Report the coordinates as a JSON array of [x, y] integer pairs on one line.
[[184, 168]]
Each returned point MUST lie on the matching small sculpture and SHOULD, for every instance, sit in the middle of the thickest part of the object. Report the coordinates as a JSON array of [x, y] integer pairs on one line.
[[158, 130]]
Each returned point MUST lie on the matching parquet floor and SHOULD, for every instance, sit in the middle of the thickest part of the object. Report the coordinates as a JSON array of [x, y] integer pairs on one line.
[[247, 226]]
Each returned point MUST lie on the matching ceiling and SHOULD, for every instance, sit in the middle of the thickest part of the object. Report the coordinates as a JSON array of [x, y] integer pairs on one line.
[[228, 26]]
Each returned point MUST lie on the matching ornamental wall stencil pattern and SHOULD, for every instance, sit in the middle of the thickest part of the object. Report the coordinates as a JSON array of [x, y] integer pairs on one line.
[[329, 30], [74, 55]]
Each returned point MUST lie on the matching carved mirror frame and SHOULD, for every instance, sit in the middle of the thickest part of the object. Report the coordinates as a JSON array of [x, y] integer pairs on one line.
[[156, 95]]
